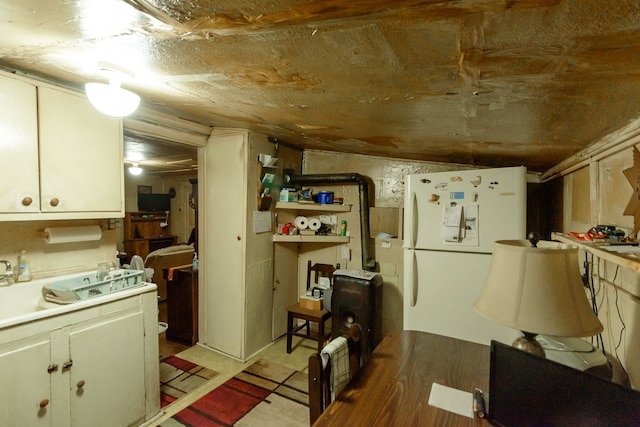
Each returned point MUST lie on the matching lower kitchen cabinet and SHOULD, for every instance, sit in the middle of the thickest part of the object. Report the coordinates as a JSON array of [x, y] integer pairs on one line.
[[89, 369], [25, 391], [107, 372]]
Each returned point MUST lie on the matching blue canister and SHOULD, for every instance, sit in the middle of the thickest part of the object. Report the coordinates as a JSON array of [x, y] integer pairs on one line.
[[325, 197]]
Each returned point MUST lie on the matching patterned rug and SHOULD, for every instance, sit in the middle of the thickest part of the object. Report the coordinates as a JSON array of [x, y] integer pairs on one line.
[[265, 394], [178, 377]]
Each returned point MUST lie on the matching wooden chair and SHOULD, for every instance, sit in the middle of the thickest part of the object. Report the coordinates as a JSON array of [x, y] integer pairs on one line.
[[309, 316], [319, 377]]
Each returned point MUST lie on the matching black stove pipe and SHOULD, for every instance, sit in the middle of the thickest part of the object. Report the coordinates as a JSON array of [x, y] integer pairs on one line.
[[368, 263]]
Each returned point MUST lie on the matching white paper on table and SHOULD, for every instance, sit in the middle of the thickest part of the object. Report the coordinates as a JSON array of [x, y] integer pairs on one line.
[[451, 399]]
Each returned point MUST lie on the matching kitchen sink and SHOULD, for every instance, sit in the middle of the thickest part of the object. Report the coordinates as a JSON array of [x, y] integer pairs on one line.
[[24, 302]]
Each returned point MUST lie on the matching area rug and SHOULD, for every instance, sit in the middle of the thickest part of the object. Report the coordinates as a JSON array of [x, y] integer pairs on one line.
[[264, 394], [178, 377]]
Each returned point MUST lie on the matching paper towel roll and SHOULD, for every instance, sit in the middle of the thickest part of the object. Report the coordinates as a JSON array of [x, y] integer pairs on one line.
[[72, 234], [301, 222], [314, 224]]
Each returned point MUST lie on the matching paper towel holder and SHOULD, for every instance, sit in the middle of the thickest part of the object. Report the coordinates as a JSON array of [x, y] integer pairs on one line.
[[45, 234]]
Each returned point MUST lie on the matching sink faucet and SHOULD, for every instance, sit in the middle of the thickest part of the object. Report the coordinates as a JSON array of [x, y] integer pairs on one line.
[[6, 277]]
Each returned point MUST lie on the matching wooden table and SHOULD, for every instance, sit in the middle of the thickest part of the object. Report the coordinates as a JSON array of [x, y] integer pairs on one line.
[[393, 387]]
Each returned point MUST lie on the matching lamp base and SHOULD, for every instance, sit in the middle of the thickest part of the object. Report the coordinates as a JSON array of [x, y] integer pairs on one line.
[[528, 343]]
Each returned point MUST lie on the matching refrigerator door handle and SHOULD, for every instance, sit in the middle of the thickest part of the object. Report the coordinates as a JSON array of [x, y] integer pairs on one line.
[[413, 292], [414, 219]]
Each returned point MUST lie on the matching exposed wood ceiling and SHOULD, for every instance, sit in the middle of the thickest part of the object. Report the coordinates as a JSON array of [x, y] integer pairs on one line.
[[490, 83]]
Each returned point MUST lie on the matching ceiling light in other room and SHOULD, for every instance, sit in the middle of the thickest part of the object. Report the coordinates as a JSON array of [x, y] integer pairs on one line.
[[111, 99], [135, 169]]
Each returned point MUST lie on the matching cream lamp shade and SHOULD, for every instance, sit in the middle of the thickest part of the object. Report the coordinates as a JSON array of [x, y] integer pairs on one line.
[[537, 290]]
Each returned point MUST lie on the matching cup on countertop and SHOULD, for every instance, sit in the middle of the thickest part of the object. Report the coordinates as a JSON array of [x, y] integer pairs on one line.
[[103, 270]]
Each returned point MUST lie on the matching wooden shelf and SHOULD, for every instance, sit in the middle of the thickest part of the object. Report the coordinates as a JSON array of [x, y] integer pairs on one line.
[[143, 233], [313, 207], [631, 261], [298, 238]]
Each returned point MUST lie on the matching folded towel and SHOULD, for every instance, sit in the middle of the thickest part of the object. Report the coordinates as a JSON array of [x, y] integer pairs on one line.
[[337, 354]]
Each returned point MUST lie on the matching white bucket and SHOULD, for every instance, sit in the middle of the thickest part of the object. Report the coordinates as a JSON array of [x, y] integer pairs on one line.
[[162, 327]]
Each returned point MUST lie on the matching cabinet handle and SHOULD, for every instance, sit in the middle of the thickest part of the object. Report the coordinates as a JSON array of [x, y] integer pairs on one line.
[[67, 365], [44, 402], [80, 384], [54, 202], [27, 201], [52, 368]]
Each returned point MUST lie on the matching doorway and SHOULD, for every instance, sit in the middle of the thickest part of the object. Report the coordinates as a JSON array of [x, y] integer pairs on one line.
[[167, 168]]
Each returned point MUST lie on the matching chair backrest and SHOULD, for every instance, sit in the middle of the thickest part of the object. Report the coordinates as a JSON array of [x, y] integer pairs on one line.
[[319, 377], [319, 270]]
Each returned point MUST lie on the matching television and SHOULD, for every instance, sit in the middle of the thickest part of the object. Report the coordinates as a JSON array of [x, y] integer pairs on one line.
[[154, 202]]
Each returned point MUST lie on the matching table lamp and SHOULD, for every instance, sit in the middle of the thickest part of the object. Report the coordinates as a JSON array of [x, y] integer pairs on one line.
[[535, 287]]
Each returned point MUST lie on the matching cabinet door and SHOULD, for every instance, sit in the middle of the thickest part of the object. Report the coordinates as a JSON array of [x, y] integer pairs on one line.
[[25, 383], [226, 221], [80, 155], [107, 377], [19, 147]]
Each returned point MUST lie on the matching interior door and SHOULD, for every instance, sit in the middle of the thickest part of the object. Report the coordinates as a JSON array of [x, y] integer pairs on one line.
[[222, 244], [285, 285]]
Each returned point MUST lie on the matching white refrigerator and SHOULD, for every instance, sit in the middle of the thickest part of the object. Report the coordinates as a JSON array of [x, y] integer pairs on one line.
[[451, 222]]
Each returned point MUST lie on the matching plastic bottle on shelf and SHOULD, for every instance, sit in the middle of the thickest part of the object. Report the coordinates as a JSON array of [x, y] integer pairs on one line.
[[343, 227], [194, 265], [24, 267]]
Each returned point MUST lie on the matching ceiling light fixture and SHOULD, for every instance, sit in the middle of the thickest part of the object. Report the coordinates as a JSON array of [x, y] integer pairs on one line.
[[111, 99], [135, 169]]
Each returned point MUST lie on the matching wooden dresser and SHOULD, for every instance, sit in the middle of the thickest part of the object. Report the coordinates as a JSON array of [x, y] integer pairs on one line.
[[144, 233]]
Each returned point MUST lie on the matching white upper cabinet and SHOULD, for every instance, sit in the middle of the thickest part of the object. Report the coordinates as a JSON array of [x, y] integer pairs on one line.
[[63, 158], [19, 147], [80, 155]]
